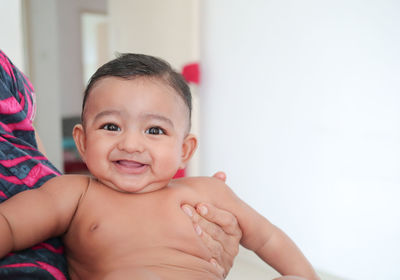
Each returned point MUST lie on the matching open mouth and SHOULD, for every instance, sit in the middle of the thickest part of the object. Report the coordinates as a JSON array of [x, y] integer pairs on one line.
[[129, 166]]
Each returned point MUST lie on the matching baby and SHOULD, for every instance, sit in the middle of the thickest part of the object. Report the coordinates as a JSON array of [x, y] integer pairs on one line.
[[125, 221]]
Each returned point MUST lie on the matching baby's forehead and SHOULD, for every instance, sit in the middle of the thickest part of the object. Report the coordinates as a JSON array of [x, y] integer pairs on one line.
[[143, 81]]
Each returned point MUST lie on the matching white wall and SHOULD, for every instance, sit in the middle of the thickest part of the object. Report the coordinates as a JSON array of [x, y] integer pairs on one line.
[[166, 29], [11, 35], [55, 65], [300, 103], [44, 62], [70, 51]]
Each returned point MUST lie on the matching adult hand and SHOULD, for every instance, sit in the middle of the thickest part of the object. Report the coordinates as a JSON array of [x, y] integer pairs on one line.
[[218, 229]]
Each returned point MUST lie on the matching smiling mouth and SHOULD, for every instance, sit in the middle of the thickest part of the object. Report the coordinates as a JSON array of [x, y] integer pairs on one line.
[[132, 167]]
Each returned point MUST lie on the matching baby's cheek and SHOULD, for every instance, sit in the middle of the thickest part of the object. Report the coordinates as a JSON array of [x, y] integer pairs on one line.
[[169, 164]]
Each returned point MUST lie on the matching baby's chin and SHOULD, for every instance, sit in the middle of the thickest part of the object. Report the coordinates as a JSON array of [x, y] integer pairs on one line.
[[135, 188], [155, 186]]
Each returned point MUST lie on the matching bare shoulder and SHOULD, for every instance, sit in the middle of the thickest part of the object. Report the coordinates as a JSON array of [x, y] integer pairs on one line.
[[199, 182], [207, 189], [63, 195], [66, 184], [68, 179]]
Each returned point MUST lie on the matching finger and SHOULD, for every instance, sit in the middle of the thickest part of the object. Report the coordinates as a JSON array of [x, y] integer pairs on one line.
[[219, 268], [197, 220], [213, 242], [188, 210], [220, 175], [223, 259], [214, 235], [226, 220], [216, 250], [222, 226]]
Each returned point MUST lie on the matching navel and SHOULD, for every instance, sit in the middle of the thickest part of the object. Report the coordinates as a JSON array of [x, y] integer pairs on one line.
[[93, 227]]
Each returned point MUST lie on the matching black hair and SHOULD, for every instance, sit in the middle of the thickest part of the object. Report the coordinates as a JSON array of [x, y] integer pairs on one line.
[[130, 66]]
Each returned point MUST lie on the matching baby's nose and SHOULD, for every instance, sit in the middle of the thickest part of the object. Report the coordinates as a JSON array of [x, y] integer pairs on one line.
[[132, 142]]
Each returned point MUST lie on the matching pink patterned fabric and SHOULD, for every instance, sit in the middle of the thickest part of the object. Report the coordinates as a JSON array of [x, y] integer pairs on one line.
[[23, 167]]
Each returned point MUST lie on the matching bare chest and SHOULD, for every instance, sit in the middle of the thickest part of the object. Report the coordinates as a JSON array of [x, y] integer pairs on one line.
[[114, 228]]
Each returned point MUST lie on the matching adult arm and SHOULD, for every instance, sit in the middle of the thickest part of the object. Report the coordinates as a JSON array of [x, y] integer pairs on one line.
[[218, 229]]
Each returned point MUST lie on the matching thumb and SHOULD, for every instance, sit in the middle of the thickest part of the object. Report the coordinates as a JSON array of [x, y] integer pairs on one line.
[[220, 175]]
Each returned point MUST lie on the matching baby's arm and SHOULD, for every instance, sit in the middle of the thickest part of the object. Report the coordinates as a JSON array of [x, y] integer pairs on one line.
[[35, 215], [259, 235], [281, 253]]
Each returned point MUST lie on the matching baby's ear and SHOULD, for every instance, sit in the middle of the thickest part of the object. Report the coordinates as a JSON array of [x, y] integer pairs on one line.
[[79, 137], [188, 148]]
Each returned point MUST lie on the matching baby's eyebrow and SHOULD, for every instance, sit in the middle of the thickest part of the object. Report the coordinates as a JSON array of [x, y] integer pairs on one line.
[[106, 113], [158, 117]]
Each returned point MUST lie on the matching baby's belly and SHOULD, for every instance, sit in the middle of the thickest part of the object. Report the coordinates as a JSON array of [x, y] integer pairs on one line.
[[147, 264], [146, 234]]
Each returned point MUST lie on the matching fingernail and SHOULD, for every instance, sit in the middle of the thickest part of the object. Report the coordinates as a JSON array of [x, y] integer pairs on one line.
[[187, 210], [198, 230], [203, 210], [213, 262]]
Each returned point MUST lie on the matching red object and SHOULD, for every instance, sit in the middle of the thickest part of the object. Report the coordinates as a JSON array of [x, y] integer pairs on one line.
[[75, 167], [180, 173], [191, 73]]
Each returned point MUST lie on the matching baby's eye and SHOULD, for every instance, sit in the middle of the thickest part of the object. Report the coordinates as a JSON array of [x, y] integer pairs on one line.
[[155, 130], [111, 127]]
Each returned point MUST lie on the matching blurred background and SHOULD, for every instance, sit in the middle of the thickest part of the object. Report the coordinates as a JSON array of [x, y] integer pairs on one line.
[[298, 102]]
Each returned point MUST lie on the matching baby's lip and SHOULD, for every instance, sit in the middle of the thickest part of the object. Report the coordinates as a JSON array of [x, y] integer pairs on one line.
[[130, 163], [131, 166]]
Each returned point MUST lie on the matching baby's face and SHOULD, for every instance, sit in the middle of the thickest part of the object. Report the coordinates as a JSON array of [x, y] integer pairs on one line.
[[135, 133]]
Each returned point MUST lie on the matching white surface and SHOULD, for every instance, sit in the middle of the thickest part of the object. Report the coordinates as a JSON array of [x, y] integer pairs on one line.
[[166, 29], [301, 102], [11, 35], [247, 265], [56, 66]]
